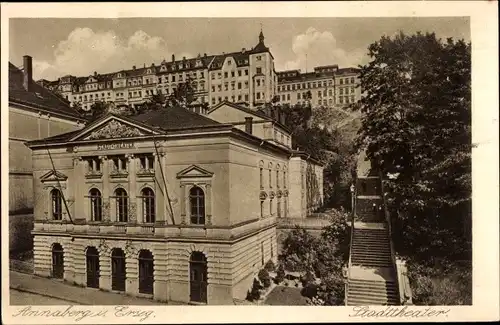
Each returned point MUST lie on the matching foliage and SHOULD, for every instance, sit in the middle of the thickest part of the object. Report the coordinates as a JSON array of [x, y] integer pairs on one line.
[[417, 123], [270, 267], [298, 250], [254, 293], [332, 289], [264, 278], [280, 274], [308, 278], [310, 290], [447, 284]]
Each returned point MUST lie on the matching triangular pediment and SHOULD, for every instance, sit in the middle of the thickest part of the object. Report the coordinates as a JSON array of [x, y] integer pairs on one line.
[[53, 175], [194, 171], [113, 127]]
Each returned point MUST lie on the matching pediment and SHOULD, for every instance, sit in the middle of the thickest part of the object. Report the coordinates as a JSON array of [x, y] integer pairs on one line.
[[194, 171], [112, 128], [53, 176]]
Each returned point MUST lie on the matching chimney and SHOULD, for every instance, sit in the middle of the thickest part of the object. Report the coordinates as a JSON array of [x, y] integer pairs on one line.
[[243, 50], [173, 57], [205, 55], [183, 58], [248, 125], [27, 72], [133, 67]]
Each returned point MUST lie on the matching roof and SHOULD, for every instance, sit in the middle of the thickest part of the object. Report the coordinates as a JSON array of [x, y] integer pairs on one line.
[[39, 98], [173, 118]]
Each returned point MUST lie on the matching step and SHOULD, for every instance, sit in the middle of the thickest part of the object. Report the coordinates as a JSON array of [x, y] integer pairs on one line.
[[368, 301], [375, 290], [371, 256], [371, 245], [371, 264], [369, 284], [372, 294], [372, 281]]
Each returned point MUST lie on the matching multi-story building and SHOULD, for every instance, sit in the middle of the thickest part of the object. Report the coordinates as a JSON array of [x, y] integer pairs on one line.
[[169, 204], [34, 113], [325, 86], [246, 76]]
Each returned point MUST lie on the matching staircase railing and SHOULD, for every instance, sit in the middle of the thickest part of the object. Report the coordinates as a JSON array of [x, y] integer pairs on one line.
[[353, 214], [403, 283]]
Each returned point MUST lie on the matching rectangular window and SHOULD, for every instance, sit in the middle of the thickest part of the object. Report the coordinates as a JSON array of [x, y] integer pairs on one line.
[[270, 179], [352, 90], [319, 93], [225, 75], [239, 85], [341, 81], [246, 97], [147, 162], [288, 96], [258, 83], [246, 72], [261, 178], [352, 80], [259, 70], [93, 164], [239, 73], [298, 96], [119, 163], [271, 207], [278, 179], [262, 209], [258, 95], [284, 179]]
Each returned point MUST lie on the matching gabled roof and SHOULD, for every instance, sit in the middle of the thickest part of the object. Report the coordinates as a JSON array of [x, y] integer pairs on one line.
[[147, 124], [38, 98]]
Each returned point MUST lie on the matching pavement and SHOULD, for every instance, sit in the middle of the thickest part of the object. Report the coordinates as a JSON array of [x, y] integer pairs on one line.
[[27, 288], [372, 273]]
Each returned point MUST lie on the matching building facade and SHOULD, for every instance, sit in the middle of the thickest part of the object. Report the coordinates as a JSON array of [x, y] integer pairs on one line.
[[247, 76], [167, 204], [34, 113], [326, 86]]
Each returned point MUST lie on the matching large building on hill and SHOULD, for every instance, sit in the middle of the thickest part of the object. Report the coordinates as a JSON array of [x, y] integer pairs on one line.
[[329, 86], [169, 204], [34, 113], [247, 76]]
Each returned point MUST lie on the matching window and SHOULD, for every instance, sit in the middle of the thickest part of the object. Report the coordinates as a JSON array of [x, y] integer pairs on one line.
[[341, 91], [352, 90], [329, 92], [246, 72], [278, 208], [324, 83], [271, 207], [147, 162], [225, 75], [258, 95], [239, 73], [246, 97], [352, 80], [56, 198], [119, 164], [232, 74], [259, 58], [246, 84], [121, 205], [239, 85], [213, 88], [298, 96], [226, 86], [261, 178], [148, 205], [278, 179], [258, 83], [324, 92], [197, 203], [284, 179], [352, 99], [93, 164], [213, 101], [213, 75], [95, 200], [259, 70], [262, 209], [270, 179], [319, 93], [341, 81], [288, 96]]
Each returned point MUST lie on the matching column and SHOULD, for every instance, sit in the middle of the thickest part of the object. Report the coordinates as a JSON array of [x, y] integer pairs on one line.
[[131, 270], [105, 189], [79, 192], [132, 184]]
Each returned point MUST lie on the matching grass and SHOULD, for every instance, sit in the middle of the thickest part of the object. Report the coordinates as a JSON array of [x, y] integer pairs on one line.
[[285, 296]]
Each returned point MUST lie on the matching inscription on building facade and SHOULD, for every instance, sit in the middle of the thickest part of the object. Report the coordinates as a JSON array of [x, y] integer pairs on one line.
[[116, 145]]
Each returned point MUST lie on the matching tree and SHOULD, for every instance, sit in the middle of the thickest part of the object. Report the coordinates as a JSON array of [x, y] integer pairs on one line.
[[417, 123]]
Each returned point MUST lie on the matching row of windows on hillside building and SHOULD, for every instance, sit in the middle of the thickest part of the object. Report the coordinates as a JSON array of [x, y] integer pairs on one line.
[[277, 179], [121, 201], [314, 84]]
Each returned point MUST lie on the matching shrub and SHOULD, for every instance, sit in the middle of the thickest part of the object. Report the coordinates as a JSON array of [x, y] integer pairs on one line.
[[307, 278], [310, 290], [332, 289], [270, 267], [280, 274], [264, 278], [254, 294]]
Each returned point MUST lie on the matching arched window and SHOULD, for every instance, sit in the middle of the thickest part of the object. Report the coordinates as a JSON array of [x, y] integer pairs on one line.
[[118, 270], [95, 205], [197, 202], [121, 205], [56, 198], [146, 272], [148, 205]]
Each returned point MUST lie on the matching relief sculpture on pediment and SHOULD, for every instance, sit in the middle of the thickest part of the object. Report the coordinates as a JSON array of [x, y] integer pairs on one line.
[[114, 130]]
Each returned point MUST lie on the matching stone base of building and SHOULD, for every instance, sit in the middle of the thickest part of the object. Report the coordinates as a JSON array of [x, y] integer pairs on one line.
[[182, 270]]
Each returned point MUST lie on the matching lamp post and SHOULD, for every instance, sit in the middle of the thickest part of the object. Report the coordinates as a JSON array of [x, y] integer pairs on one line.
[[352, 198]]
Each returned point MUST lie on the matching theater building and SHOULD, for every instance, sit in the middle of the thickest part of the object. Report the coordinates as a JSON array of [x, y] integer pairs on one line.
[[169, 204]]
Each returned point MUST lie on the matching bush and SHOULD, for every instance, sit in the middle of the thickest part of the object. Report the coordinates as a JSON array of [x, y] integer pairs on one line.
[[332, 290], [308, 278], [270, 267], [280, 274], [264, 278], [310, 290], [432, 286], [254, 294]]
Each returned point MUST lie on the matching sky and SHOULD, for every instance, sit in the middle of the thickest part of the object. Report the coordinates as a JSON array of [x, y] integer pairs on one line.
[[80, 46]]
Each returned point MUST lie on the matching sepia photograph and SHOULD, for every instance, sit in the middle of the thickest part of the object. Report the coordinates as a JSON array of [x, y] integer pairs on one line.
[[240, 161]]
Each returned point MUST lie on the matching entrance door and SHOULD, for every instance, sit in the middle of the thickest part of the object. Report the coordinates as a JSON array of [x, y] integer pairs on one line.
[[57, 261], [92, 257], [146, 272], [118, 272], [198, 277]]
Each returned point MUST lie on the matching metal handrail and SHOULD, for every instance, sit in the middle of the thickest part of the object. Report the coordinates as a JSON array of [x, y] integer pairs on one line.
[[353, 213]]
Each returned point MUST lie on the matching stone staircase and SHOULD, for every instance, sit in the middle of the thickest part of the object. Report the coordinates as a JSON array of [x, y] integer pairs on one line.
[[372, 292], [371, 248], [372, 278]]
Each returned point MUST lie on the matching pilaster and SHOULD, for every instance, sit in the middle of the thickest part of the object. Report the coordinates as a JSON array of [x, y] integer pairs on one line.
[[132, 179], [105, 188]]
